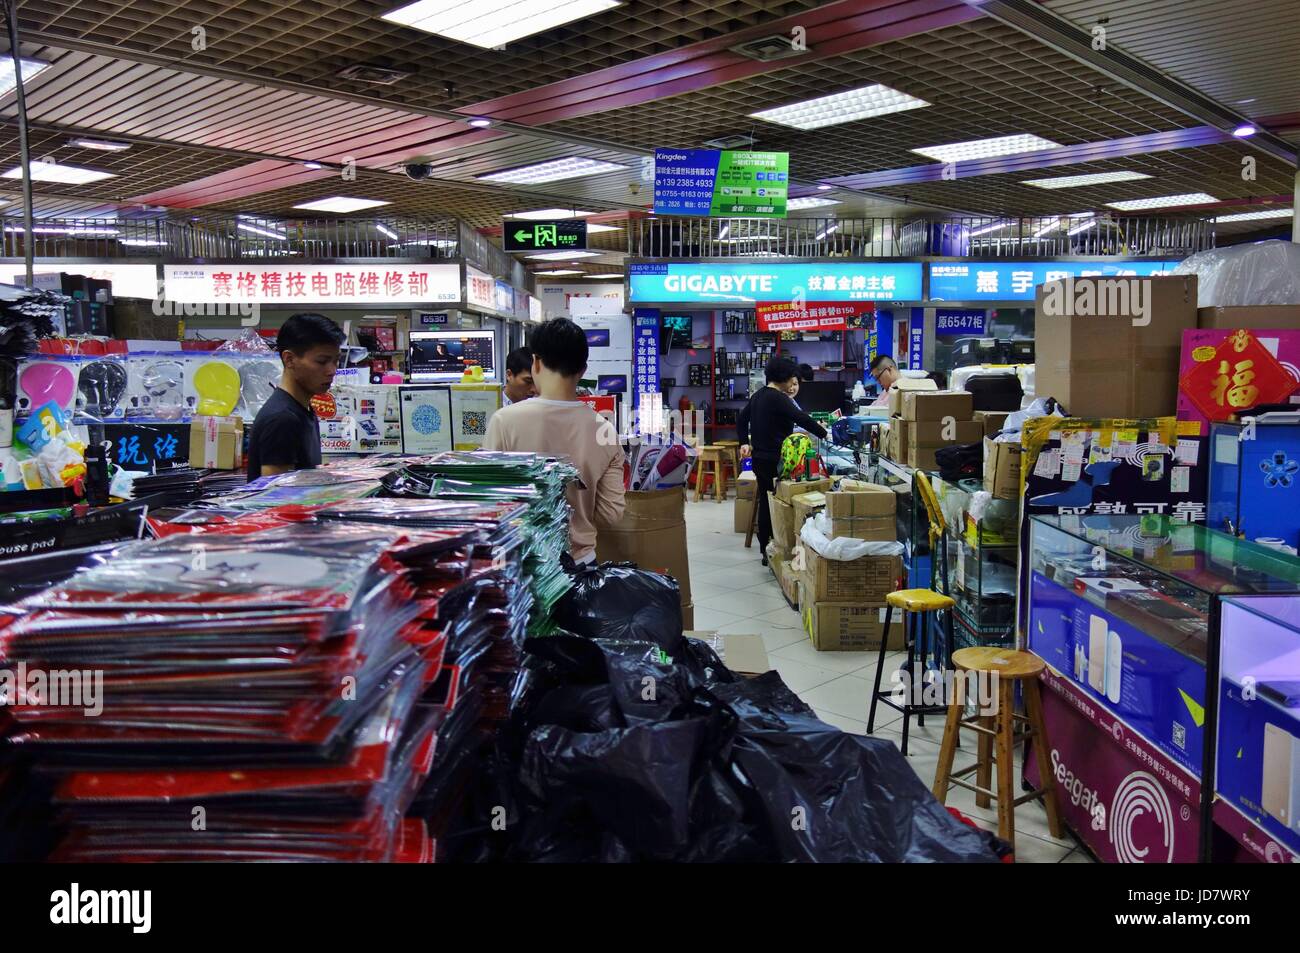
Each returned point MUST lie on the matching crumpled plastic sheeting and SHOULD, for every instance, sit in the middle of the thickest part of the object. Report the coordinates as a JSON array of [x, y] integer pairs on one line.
[[1242, 275], [816, 532], [620, 601], [737, 770]]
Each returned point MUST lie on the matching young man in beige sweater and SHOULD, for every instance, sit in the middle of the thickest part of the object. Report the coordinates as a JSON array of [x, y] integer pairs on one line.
[[556, 423]]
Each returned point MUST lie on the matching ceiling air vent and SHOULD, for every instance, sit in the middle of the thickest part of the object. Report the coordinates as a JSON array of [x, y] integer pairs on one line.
[[768, 48], [374, 73], [730, 142]]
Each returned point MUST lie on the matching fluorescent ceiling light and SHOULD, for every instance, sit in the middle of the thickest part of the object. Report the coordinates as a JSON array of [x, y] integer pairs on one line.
[[142, 242], [386, 231], [54, 172], [548, 213], [608, 274], [1051, 226], [1244, 130], [824, 188], [741, 241], [829, 231], [480, 122], [1082, 227], [31, 69], [341, 204], [724, 231], [984, 230], [493, 23], [571, 167], [1163, 201], [564, 255], [435, 242], [1251, 216], [312, 165], [986, 148], [269, 233], [1096, 178], [864, 103], [809, 201], [101, 145], [558, 271], [62, 230], [594, 227]]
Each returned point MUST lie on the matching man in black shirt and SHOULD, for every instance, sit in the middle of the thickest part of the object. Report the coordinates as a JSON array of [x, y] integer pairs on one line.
[[286, 433], [768, 418]]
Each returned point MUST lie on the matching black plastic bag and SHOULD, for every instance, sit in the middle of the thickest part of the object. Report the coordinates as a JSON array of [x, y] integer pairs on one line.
[[620, 601]]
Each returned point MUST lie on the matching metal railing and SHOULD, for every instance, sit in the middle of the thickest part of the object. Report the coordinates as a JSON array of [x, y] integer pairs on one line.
[[1055, 236], [232, 237]]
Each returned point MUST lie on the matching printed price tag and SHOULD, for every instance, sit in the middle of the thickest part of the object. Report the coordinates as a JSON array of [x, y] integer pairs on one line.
[[1048, 463], [1180, 479], [1186, 452]]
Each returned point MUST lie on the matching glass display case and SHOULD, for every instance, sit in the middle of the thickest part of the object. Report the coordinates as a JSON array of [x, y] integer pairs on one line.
[[1258, 761], [1129, 607]]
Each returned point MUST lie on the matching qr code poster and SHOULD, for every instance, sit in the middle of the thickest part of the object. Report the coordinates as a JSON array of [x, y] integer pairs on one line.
[[472, 408], [426, 418]]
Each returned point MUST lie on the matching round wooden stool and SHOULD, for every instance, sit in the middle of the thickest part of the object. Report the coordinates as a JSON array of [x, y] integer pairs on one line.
[[998, 734], [713, 460]]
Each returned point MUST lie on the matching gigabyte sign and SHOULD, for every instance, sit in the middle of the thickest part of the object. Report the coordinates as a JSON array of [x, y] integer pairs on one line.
[[750, 283]]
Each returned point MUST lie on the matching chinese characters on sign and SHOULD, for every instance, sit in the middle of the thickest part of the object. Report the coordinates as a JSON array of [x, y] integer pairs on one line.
[[785, 316], [339, 284], [1241, 374], [916, 340], [709, 182], [1015, 281], [567, 235], [949, 322], [645, 344]]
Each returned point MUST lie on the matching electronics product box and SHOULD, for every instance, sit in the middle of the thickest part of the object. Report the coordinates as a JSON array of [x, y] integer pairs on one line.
[[865, 580], [1002, 469], [652, 534], [1257, 316], [217, 443], [1270, 357], [937, 405], [847, 626], [782, 514], [1120, 363], [902, 386], [746, 494], [787, 490], [805, 505], [993, 420]]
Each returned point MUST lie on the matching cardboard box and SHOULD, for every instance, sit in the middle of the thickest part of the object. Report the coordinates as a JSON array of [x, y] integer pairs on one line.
[[744, 654], [1280, 317], [876, 529], [787, 490], [932, 433], [861, 499], [688, 616], [746, 493], [849, 627], [867, 579], [805, 505], [898, 439], [789, 578], [902, 385], [992, 420], [1106, 365], [1002, 469], [783, 533], [936, 405], [217, 442], [922, 458], [652, 534]]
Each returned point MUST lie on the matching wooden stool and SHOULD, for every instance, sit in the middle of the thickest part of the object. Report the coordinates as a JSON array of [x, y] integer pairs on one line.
[[733, 446], [712, 459], [915, 603], [998, 736]]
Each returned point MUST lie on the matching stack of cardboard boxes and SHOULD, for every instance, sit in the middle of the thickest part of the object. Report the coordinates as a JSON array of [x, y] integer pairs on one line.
[[786, 523], [842, 601], [932, 420], [652, 534]]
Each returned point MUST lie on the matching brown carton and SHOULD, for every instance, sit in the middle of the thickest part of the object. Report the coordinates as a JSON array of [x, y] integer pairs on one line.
[[805, 505], [787, 490], [782, 524], [898, 439], [936, 405], [866, 579], [992, 420], [1002, 469], [862, 499], [789, 577], [1260, 317], [1121, 362], [746, 492], [217, 443], [901, 386], [932, 433], [922, 458], [652, 534], [848, 627], [876, 529]]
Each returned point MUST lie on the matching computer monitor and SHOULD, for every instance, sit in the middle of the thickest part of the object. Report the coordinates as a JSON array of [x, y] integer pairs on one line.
[[444, 355], [677, 331], [825, 396]]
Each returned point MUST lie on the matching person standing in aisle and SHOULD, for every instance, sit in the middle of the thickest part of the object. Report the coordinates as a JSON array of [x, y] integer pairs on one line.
[[768, 418], [286, 433], [556, 423], [519, 384]]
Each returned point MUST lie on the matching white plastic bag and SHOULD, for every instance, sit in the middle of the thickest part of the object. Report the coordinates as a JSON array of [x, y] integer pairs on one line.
[[816, 533], [1015, 422], [1242, 275]]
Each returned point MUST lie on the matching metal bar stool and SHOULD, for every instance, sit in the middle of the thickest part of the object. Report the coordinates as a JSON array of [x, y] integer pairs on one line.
[[915, 603]]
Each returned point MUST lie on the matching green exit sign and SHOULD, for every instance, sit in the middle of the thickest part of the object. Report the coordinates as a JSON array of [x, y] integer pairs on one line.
[[523, 235]]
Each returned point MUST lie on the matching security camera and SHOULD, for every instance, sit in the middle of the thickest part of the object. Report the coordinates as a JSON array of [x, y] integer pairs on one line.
[[634, 187], [418, 170]]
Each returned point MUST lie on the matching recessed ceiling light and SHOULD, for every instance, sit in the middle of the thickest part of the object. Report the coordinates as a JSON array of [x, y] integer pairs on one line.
[[824, 188], [809, 201], [54, 172], [341, 204], [1244, 130], [494, 23], [1163, 201], [986, 148], [312, 165], [1095, 178], [546, 213], [557, 271], [480, 122], [854, 104], [607, 274], [564, 255], [31, 69], [1251, 216], [100, 145], [568, 168]]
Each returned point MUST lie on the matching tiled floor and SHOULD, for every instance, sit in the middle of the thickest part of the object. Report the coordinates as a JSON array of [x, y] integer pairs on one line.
[[733, 592]]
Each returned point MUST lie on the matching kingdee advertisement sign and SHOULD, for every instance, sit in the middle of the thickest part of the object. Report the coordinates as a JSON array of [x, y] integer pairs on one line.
[[1015, 281], [710, 182], [747, 284]]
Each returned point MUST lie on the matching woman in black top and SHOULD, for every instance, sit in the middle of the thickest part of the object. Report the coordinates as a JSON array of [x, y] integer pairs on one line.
[[768, 418]]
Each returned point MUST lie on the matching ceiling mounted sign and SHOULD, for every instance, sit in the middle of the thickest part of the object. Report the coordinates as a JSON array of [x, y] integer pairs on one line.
[[710, 182]]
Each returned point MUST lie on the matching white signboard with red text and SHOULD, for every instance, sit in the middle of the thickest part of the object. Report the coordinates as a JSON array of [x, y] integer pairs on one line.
[[315, 284], [480, 289], [810, 316]]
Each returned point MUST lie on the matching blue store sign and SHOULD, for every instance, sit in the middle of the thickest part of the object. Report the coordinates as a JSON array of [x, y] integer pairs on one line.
[[959, 322], [751, 283], [645, 344], [1015, 281], [916, 340]]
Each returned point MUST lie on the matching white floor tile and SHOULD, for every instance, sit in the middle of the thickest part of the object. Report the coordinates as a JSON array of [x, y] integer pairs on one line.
[[745, 604], [710, 620], [850, 725], [741, 576], [843, 662], [800, 677], [843, 695], [773, 638], [782, 618]]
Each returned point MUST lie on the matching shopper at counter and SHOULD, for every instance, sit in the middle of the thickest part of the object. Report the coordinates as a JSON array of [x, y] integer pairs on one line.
[[768, 418], [557, 423], [519, 384], [286, 433]]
